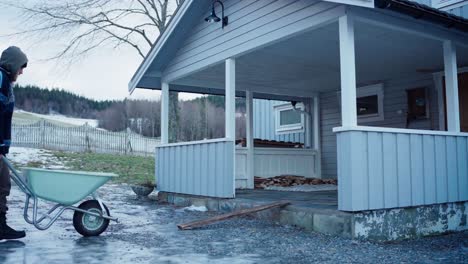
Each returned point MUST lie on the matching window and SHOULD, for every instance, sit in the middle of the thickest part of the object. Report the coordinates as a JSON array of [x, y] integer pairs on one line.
[[288, 120], [370, 103]]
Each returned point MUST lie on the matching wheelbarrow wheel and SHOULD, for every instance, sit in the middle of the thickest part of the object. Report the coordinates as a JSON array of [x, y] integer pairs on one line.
[[89, 225]]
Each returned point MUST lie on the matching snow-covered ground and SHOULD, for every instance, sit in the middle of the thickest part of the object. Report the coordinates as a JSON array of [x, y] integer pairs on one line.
[[59, 118], [305, 188], [195, 208], [40, 157]]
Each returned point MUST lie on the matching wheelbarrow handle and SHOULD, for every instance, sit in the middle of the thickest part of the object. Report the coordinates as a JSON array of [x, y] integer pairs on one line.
[[17, 177]]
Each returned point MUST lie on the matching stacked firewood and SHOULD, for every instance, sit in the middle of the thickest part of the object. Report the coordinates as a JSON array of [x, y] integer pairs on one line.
[[290, 180]]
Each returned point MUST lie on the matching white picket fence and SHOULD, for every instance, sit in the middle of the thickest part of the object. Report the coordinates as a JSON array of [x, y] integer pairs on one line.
[[44, 134]]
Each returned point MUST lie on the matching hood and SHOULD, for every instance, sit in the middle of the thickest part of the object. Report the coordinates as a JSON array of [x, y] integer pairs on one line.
[[13, 59]]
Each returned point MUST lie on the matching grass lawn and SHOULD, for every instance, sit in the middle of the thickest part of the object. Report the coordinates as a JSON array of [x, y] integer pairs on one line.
[[131, 169]]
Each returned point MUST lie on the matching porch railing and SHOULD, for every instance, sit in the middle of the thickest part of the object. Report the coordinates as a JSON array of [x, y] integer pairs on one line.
[[270, 162], [387, 168], [203, 168]]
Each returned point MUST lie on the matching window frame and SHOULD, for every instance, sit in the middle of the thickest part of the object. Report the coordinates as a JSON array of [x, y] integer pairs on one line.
[[291, 128], [371, 90]]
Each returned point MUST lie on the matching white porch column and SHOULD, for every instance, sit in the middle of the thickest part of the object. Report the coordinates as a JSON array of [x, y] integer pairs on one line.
[[164, 113], [451, 87], [316, 127], [348, 72], [249, 138], [230, 99]]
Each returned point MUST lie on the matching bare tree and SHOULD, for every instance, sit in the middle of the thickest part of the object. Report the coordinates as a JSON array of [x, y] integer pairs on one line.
[[89, 24], [215, 121], [114, 118]]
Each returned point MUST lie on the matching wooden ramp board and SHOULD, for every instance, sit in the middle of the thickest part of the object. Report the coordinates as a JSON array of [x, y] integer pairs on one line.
[[222, 217]]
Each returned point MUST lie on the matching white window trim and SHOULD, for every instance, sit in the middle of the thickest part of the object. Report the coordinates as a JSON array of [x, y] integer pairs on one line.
[[376, 89], [288, 129]]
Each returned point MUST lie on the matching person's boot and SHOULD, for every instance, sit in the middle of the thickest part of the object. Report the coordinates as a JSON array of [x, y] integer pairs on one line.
[[7, 232]]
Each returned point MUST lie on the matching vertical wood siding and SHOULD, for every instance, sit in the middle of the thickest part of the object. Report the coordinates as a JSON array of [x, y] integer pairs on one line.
[[242, 179], [394, 101], [423, 2], [395, 169], [271, 162], [201, 168], [461, 11], [264, 122], [252, 24]]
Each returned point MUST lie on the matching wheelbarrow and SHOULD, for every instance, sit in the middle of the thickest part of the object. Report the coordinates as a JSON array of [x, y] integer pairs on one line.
[[65, 189]]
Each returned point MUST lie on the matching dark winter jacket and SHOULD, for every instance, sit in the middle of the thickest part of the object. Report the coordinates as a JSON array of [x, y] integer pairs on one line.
[[11, 61]]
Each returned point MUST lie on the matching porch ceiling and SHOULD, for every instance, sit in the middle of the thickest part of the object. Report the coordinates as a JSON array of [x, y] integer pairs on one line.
[[309, 63]]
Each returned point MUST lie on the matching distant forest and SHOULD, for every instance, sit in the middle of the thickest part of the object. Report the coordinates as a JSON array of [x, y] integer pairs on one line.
[[195, 119], [44, 101]]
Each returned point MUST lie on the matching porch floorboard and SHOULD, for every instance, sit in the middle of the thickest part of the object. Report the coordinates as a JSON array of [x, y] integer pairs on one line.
[[316, 200]]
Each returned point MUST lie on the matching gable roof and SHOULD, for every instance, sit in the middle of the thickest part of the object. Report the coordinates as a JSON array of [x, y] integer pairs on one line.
[[179, 25], [161, 42]]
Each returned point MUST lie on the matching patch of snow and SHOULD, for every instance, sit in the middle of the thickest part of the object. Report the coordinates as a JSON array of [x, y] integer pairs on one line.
[[196, 208], [304, 188], [42, 157], [64, 119]]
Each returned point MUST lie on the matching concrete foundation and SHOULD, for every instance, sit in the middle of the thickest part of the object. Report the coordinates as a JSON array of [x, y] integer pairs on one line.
[[411, 222], [315, 215]]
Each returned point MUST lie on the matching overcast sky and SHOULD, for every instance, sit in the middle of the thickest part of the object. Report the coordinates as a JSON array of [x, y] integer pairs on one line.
[[102, 75]]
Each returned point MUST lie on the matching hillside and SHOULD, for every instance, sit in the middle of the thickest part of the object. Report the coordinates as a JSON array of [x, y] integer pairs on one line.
[[23, 117], [194, 119], [45, 101]]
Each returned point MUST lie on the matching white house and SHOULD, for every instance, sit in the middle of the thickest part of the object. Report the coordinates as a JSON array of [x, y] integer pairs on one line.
[[383, 83]]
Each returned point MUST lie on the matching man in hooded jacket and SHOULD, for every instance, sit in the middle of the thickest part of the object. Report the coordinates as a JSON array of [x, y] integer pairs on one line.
[[12, 63]]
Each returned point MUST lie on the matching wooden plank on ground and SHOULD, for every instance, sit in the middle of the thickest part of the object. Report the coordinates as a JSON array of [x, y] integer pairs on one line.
[[222, 217]]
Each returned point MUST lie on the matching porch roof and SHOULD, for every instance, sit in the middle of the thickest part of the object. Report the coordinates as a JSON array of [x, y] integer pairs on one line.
[[148, 75], [425, 12]]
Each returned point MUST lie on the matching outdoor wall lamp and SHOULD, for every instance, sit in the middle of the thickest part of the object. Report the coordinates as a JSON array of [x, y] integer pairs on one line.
[[214, 18]]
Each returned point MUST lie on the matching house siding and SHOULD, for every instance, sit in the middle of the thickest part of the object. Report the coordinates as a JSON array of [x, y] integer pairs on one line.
[[461, 11], [264, 122], [400, 168], [204, 168], [395, 100], [423, 2], [252, 24], [395, 107]]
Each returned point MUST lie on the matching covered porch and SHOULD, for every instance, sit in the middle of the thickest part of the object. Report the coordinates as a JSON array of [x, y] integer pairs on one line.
[[379, 165]]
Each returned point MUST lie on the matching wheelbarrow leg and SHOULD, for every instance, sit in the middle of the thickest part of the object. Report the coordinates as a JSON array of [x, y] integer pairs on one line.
[[95, 196]]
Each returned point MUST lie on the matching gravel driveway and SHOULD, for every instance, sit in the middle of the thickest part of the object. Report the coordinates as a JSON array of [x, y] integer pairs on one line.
[[147, 233]]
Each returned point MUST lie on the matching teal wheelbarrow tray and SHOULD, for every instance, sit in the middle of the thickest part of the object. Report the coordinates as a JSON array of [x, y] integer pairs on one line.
[[65, 188]]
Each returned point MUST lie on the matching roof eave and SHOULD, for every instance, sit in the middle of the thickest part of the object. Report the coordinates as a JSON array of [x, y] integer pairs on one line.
[[424, 12], [158, 45]]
